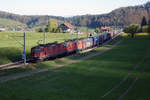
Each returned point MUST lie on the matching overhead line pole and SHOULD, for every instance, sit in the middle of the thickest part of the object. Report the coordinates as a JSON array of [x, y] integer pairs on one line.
[[44, 41], [24, 52], [23, 45], [77, 35]]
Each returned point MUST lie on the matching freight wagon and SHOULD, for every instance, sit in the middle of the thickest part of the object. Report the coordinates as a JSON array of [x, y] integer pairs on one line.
[[54, 50]]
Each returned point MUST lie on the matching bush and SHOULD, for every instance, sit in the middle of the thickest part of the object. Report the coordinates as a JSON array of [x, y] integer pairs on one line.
[[145, 29], [39, 30], [97, 30], [58, 30], [46, 28], [132, 29]]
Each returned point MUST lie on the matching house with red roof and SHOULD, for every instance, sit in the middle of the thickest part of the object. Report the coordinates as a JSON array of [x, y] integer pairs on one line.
[[105, 29], [66, 27]]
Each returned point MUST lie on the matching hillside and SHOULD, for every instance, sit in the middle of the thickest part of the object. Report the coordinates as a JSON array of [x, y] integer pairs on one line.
[[122, 16], [9, 24], [30, 21]]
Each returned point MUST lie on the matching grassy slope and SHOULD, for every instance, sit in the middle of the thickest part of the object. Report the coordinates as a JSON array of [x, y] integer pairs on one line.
[[85, 29], [9, 23], [87, 80], [11, 51]]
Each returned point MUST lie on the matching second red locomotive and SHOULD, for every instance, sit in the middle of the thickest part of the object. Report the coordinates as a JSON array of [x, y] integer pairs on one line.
[[54, 50]]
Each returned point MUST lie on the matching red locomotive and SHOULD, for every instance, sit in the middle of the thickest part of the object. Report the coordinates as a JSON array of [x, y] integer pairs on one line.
[[54, 50]]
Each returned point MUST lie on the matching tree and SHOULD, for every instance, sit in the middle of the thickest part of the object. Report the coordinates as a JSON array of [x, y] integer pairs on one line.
[[52, 25], [132, 29], [58, 30], [145, 29], [97, 30], [46, 28], [144, 22]]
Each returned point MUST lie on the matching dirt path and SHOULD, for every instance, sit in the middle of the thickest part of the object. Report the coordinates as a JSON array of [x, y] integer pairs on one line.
[[29, 73]]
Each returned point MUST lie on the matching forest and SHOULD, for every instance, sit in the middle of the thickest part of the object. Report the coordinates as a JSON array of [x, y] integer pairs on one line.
[[121, 17]]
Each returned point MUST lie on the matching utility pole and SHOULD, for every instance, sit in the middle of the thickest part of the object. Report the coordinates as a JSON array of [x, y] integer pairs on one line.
[[72, 34], [44, 40], [87, 32], [24, 52], [115, 26], [77, 35], [23, 45]]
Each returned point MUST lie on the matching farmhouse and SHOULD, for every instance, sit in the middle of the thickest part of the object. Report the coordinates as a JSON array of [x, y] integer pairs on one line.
[[20, 28], [2, 29], [66, 27]]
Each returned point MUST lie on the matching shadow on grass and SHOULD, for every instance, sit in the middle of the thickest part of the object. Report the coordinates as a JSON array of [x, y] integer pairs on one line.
[[123, 54], [10, 54], [81, 81], [86, 80]]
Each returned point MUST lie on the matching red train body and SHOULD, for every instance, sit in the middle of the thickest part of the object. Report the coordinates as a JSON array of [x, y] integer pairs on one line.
[[53, 50]]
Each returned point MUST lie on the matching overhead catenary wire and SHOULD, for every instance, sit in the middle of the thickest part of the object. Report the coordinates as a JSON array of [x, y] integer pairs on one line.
[[22, 44]]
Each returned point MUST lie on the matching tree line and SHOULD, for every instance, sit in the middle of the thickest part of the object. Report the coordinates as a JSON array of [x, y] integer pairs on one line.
[[121, 17], [135, 28]]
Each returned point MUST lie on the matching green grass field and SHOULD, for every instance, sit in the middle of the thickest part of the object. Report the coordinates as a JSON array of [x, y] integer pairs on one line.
[[85, 29], [52, 63], [89, 79], [11, 51]]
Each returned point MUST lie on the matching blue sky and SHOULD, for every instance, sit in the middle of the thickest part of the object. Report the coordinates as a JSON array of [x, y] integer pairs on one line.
[[64, 7]]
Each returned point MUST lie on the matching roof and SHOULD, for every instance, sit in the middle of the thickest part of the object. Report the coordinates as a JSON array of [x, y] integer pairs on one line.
[[105, 28], [69, 25], [21, 27]]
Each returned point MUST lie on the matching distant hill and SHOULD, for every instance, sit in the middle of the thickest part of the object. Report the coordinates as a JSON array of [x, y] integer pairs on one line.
[[30, 21], [122, 16]]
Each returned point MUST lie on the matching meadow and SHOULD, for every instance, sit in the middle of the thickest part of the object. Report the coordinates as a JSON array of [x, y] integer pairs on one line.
[[58, 61], [89, 79], [11, 50], [10, 24]]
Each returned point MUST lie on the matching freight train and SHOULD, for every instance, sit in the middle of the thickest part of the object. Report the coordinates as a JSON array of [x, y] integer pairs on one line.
[[54, 50]]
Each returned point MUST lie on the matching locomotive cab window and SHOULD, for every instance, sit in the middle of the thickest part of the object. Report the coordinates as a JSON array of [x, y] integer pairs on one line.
[[48, 48], [37, 50]]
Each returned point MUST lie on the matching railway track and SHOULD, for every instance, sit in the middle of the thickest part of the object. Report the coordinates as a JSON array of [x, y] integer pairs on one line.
[[12, 65], [21, 63], [32, 72]]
